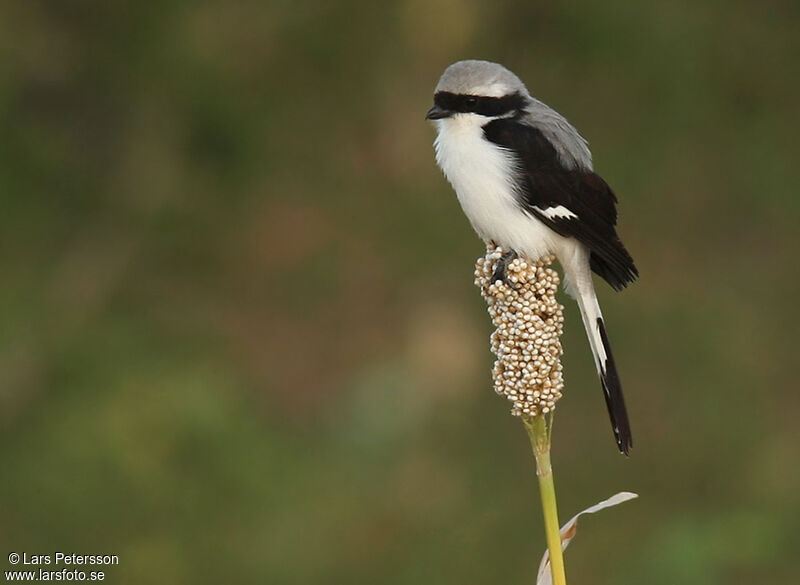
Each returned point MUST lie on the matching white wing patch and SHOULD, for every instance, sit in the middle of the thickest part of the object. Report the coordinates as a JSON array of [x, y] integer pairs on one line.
[[558, 211]]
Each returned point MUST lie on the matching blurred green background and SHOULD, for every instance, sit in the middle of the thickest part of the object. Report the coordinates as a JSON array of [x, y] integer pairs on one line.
[[239, 339]]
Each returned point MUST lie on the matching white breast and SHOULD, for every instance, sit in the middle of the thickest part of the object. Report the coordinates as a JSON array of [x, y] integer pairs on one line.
[[482, 175]]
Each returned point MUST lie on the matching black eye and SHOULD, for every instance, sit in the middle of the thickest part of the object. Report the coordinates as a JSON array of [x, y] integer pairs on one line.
[[471, 101]]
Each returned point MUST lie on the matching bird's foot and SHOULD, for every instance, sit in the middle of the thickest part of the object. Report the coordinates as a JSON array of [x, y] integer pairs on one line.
[[500, 270]]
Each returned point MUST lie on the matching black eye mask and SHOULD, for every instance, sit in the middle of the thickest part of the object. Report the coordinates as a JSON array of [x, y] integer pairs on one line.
[[482, 105]]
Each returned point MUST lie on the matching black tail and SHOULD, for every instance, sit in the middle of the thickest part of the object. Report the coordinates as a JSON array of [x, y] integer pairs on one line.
[[612, 390]]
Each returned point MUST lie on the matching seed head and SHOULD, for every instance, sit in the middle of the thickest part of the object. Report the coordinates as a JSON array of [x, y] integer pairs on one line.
[[528, 323]]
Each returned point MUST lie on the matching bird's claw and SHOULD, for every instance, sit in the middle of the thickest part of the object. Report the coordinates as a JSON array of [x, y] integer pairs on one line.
[[500, 270]]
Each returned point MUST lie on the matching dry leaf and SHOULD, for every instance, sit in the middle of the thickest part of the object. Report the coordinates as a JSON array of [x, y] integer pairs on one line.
[[569, 530]]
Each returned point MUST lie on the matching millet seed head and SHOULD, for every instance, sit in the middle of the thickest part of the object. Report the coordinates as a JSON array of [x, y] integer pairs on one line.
[[528, 323]]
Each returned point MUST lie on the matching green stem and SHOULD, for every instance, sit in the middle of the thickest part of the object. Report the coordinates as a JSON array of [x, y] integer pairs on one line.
[[539, 435]]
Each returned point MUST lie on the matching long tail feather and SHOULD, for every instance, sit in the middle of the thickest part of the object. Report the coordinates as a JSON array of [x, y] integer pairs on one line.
[[607, 370]]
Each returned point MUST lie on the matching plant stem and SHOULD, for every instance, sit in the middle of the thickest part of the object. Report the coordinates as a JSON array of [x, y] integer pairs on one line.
[[539, 435]]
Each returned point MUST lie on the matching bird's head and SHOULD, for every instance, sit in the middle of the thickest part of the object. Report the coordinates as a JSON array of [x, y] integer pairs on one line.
[[478, 89]]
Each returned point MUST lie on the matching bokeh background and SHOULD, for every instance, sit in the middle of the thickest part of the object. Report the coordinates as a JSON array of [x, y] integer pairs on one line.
[[239, 339]]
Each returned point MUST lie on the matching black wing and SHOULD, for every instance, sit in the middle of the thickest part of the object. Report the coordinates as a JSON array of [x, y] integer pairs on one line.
[[547, 184]]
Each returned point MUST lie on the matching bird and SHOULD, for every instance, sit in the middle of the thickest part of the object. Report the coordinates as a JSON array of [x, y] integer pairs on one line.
[[524, 178]]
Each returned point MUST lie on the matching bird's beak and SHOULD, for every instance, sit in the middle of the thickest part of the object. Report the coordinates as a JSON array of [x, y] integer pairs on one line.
[[437, 113]]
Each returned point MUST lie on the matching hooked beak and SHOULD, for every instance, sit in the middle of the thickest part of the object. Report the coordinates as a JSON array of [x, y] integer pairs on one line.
[[437, 113]]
